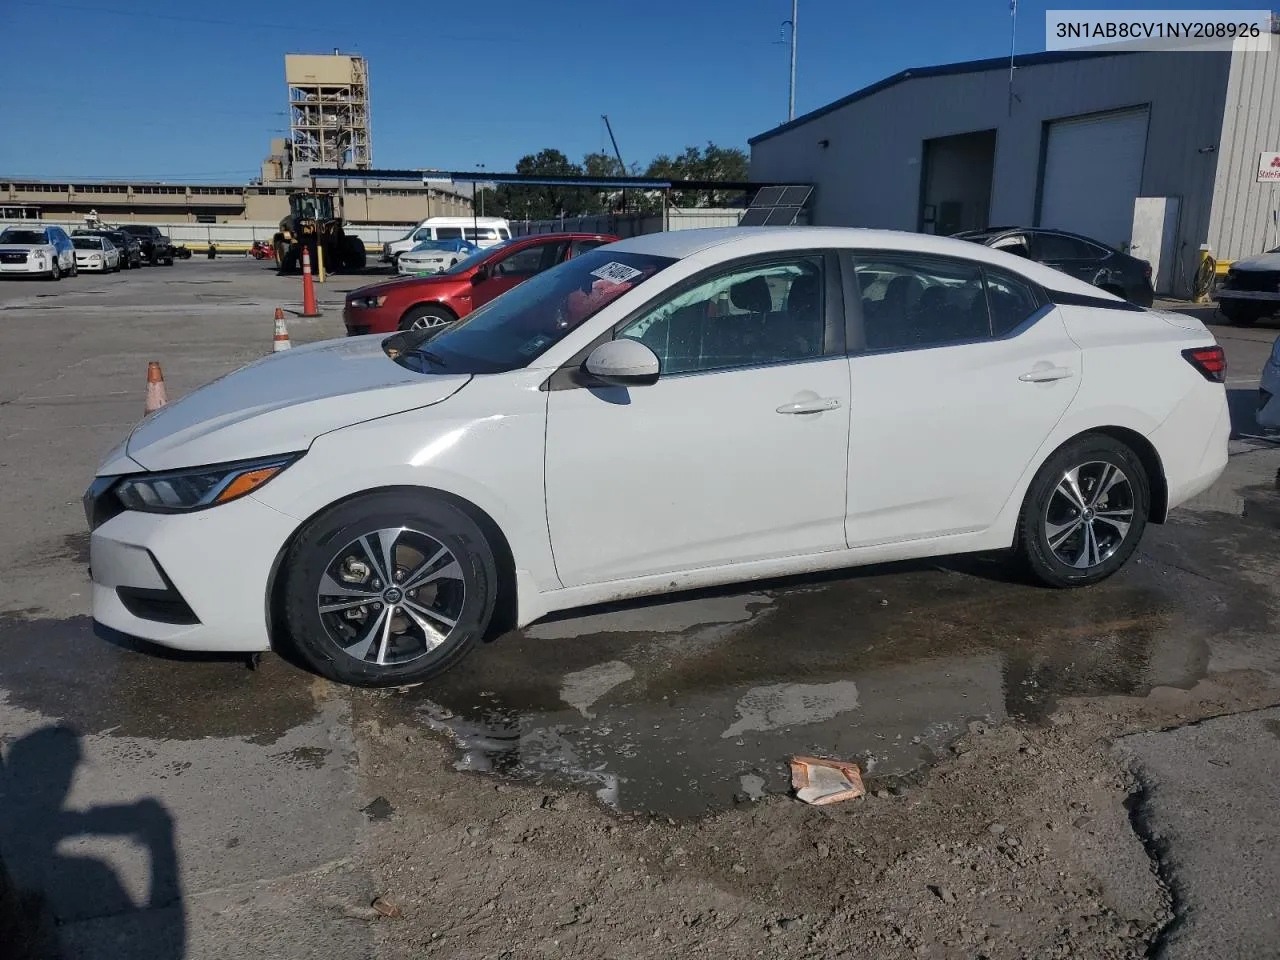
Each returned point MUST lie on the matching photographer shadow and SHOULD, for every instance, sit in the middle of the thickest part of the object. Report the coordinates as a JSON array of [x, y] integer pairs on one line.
[[59, 904]]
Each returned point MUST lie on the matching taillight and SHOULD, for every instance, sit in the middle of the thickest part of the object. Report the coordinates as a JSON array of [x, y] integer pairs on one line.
[[1210, 361]]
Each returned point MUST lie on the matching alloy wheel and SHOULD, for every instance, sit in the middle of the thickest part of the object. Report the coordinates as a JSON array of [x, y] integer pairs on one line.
[[428, 322], [391, 596], [1089, 514]]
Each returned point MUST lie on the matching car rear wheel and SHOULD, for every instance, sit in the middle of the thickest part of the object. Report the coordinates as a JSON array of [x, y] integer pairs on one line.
[[1084, 512], [389, 588], [426, 318]]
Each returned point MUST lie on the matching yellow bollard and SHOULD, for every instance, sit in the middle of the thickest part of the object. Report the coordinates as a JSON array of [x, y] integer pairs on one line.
[[320, 257]]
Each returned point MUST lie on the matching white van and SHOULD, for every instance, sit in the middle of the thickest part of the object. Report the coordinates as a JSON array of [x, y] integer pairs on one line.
[[484, 232]]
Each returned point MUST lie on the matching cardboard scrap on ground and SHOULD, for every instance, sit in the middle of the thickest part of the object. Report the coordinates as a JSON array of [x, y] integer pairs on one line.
[[818, 781]]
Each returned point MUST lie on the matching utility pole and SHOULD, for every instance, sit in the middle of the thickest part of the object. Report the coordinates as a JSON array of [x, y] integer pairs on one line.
[[622, 167], [791, 87]]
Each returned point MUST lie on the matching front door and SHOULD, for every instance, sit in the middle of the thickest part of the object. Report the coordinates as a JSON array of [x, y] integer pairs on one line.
[[964, 373], [515, 267], [737, 453]]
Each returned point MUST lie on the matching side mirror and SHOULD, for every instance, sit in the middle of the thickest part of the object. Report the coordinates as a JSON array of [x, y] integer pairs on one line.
[[480, 276], [625, 363]]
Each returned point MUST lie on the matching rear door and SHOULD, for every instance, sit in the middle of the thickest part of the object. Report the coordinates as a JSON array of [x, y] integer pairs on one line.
[[1071, 255], [958, 375], [514, 267]]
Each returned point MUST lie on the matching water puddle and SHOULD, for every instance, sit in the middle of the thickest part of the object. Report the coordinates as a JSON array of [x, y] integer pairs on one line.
[[696, 704]]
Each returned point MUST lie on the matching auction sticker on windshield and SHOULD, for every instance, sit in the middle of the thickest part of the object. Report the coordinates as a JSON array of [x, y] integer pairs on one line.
[[615, 272]]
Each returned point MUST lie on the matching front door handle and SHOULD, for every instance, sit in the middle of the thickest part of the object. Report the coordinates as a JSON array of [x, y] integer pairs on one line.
[[1047, 374], [819, 405]]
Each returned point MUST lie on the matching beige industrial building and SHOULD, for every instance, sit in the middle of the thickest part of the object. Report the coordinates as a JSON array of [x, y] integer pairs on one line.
[[328, 127], [364, 201]]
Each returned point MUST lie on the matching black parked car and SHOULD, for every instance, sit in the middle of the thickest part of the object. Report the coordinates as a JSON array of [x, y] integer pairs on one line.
[[155, 245], [1089, 260], [130, 249]]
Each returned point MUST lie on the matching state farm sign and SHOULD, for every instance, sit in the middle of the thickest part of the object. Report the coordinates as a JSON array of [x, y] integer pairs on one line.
[[1269, 168]]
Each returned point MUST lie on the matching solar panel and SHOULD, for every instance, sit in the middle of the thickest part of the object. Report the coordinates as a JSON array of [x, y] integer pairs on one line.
[[796, 196], [767, 197], [782, 216], [776, 206]]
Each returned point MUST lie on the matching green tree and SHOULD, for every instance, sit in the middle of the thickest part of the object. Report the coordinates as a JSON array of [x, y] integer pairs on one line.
[[543, 201], [710, 163]]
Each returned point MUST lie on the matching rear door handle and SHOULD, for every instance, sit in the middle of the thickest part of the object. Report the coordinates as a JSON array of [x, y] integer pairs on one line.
[[1047, 374], [819, 405]]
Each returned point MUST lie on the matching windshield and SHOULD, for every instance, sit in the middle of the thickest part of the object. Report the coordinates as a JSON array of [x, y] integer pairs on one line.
[[23, 236], [462, 266], [87, 243], [516, 328], [449, 246], [136, 230]]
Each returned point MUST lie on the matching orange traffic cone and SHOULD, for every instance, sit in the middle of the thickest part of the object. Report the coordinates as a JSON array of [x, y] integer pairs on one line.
[[281, 339], [309, 308], [156, 396]]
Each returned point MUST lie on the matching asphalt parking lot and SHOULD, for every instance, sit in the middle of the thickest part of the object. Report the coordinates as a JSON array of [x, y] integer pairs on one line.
[[613, 782]]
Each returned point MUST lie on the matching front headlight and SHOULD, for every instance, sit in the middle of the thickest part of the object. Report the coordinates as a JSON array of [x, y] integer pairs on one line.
[[367, 303], [199, 487], [36, 254]]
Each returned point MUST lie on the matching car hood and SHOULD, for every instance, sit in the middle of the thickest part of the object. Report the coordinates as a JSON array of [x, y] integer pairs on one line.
[[405, 283], [281, 403], [1269, 262]]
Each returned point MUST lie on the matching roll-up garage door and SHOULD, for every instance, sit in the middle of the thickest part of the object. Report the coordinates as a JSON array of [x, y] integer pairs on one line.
[[1093, 172]]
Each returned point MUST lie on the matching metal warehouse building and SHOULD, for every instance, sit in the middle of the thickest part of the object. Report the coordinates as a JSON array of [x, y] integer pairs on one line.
[[1071, 143]]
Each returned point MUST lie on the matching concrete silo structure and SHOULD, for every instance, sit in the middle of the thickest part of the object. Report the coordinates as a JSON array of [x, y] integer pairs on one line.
[[328, 111]]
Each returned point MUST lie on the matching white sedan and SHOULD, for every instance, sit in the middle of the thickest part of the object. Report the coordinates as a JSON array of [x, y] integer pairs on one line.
[[672, 411], [434, 256], [96, 254]]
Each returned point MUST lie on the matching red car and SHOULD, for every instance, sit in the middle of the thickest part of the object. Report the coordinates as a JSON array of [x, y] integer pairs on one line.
[[417, 303]]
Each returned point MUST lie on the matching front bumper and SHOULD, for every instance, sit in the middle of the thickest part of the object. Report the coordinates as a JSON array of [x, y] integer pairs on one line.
[[99, 267], [27, 267], [360, 321], [191, 581], [1249, 296], [410, 267]]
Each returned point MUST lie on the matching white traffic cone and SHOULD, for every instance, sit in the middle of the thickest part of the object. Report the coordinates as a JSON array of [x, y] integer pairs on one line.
[[281, 339], [156, 395]]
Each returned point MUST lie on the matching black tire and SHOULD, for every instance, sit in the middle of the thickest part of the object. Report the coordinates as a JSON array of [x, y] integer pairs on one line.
[[419, 518], [1048, 508], [55, 273], [425, 317], [168, 261], [1240, 314], [354, 256]]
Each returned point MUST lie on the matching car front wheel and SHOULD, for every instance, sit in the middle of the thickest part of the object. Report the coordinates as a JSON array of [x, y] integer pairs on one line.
[[1084, 512], [389, 588], [56, 272]]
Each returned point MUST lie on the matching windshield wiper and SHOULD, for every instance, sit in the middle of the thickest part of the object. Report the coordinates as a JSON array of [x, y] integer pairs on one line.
[[427, 355]]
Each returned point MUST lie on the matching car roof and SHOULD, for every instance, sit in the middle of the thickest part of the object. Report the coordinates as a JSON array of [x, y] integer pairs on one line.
[[607, 237], [733, 242]]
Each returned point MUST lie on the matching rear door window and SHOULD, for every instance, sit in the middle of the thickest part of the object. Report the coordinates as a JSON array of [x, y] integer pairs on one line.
[[1058, 246], [448, 233], [911, 301], [579, 247], [1011, 301]]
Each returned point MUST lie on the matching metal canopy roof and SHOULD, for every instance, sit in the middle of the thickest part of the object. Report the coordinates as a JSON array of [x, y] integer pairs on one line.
[[473, 176]]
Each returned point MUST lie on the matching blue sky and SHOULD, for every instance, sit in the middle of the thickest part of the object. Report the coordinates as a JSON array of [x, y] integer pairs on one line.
[[174, 90]]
